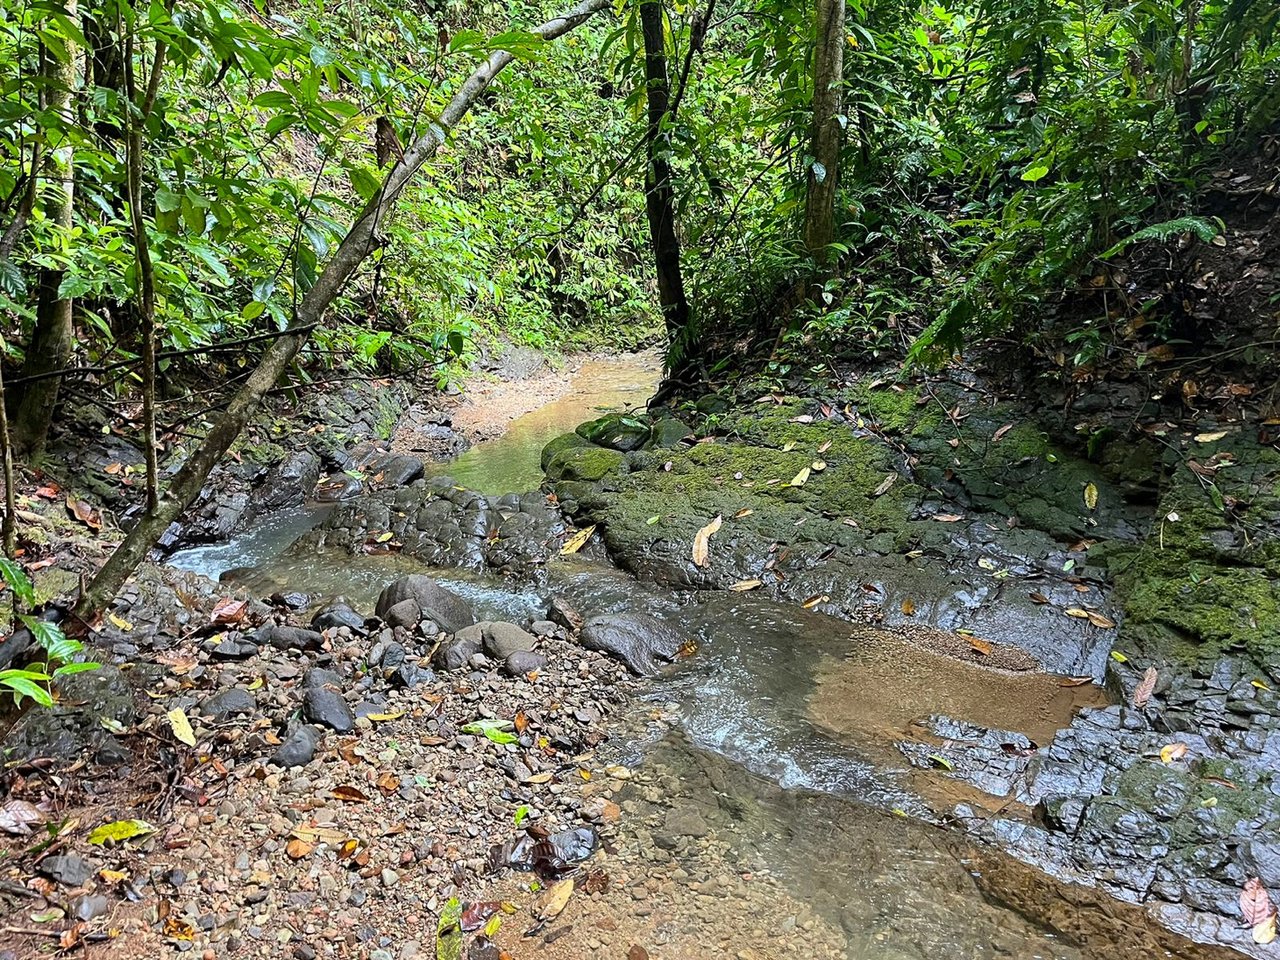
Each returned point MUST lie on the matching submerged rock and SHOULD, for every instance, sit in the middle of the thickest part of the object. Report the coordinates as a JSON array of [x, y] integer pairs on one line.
[[644, 643]]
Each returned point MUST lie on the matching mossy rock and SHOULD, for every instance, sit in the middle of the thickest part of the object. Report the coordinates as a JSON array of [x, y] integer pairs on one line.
[[589, 463], [566, 441], [616, 431], [666, 433]]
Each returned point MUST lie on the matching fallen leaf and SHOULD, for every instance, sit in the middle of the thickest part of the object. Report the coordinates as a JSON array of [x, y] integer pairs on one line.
[[385, 717], [577, 541], [948, 517], [388, 782], [654, 519], [1119, 657], [743, 513], [818, 466], [181, 727], [1091, 496], [1259, 684], [940, 761], [120, 623], [908, 607], [494, 730], [999, 434], [744, 585], [119, 831], [1142, 693], [824, 446], [350, 794], [545, 777], [297, 849], [801, 478], [1265, 932], [1037, 597], [982, 646], [474, 915], [83, 512], [1074, 681], [1210, 437], [552, 903], [814, 600], [701, 542], [18, 816], [885, 484], [1255, 902], [803, 418], [788, 446], [1098, 620], [1077, 612], [229, 610], [1172, 751]]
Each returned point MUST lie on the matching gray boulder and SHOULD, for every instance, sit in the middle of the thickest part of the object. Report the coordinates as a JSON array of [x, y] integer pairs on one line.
[[503, 639], [641, 641], [436, 603], [326, 707]]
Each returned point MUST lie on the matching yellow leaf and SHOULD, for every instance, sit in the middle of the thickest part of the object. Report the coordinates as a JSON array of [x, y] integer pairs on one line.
[[257, 683], [908, 607], [788, 446], [1210, 437], [577, 541], [113, 876], [702, 542], [744, 585], [1173, 751], [801, 478], [825, 446], [119, 831], [1077, 612], [1265, 931], [544, 777], [493, 925], [181, 727], [1259, 684], [121, 623], [384, 537], [1119, 657], [743, 513], [819, 465], [382, 717], [552, 903], [1091, 496]]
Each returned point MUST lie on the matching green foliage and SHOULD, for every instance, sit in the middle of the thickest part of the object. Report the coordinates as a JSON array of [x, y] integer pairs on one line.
[[59, 649]]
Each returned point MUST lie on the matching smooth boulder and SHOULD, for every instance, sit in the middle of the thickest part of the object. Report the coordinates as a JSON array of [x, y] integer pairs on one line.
[[501, 640], [436, 603], [643, 642]]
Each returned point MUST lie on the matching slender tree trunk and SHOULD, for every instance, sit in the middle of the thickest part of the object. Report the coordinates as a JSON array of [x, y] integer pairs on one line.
[[52, 339], [142, 255], [9, 526], [828, 129], [660, 202], [359, 243]]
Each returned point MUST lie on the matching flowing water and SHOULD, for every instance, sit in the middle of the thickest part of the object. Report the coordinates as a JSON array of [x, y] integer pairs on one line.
[[780, 731]]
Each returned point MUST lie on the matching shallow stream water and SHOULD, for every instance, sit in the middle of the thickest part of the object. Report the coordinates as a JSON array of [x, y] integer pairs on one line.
[[780, 731]]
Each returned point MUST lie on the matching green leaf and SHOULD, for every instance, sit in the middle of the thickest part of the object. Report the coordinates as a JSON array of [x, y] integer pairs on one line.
[[252, 310], [119, 831], [521, 813], [495, 730], [273, 100], [23, 686], [18, 581], [1035, 172]]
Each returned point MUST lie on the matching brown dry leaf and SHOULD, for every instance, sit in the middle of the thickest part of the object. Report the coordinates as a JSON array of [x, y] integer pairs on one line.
[[999, 434], [229, 610], [1077, 612], [69, 938], [520, 721], [1161, 353], [743, 513], [388, 782], [744, 585], [1098, 620], [948, 517], [1255, 902], [909, 607], [982, 646], [577, 541], [83, 512], [885, 484], [1038, 597], [1210, 437], [1172, 751], [297, 849], [702, 544], [552, 903], [816, 599], [111, 469], [1074, 681], [350, 794], [544, 777], [1142, 693]]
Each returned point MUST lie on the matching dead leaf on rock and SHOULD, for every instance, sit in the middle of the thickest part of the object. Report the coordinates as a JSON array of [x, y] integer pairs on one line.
[[948, 517], [1255, 902], [1172, 751], [999, 434], [982, 646], [83, 512], [702, 542], [297, 849], [1038, 597], [350, 794], [1142, 693], [801, 478], [552, 903], [388, 782], [885, 484], [18, 816], [1074, 681], [908, 607], [229, 611], [1091, 496], [744, 585], [743, 513]]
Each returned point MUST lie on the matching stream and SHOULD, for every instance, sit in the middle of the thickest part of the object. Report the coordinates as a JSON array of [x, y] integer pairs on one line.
[[779, 734]]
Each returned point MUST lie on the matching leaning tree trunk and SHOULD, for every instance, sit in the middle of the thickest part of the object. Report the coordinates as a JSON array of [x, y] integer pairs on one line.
[[51, 341], [660, 201], [824, 169], [359, 242]]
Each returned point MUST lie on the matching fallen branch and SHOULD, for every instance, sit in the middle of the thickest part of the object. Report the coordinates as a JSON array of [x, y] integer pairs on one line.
[[359, 242]]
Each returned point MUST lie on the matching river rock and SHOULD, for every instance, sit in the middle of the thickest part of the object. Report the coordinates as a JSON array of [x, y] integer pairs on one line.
[[341, 486], [67, 869], [666, 433], [564, 613], [616, 431], [456, 653], [395, 470], [320, 677], [293, 638], [338, 614], [230, 702], [503, 639], [434, 601], [84, 701], [290, 482], [523, 662], [298, 747], [327, 708], [641, 641], [405, 614], [90, 907]]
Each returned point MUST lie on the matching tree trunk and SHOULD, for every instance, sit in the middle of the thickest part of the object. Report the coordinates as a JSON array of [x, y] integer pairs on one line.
[[359, 242], [660, 204], [828, 129], [51, 341]]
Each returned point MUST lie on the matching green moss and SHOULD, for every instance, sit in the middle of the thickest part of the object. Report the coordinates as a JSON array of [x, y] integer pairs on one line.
[[588, 463], [565, 441], [902, 411]]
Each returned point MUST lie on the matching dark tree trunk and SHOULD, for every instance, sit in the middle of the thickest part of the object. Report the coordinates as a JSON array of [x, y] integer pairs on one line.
[[361, 240], [52, 339], [660, 203], [824, 170]]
